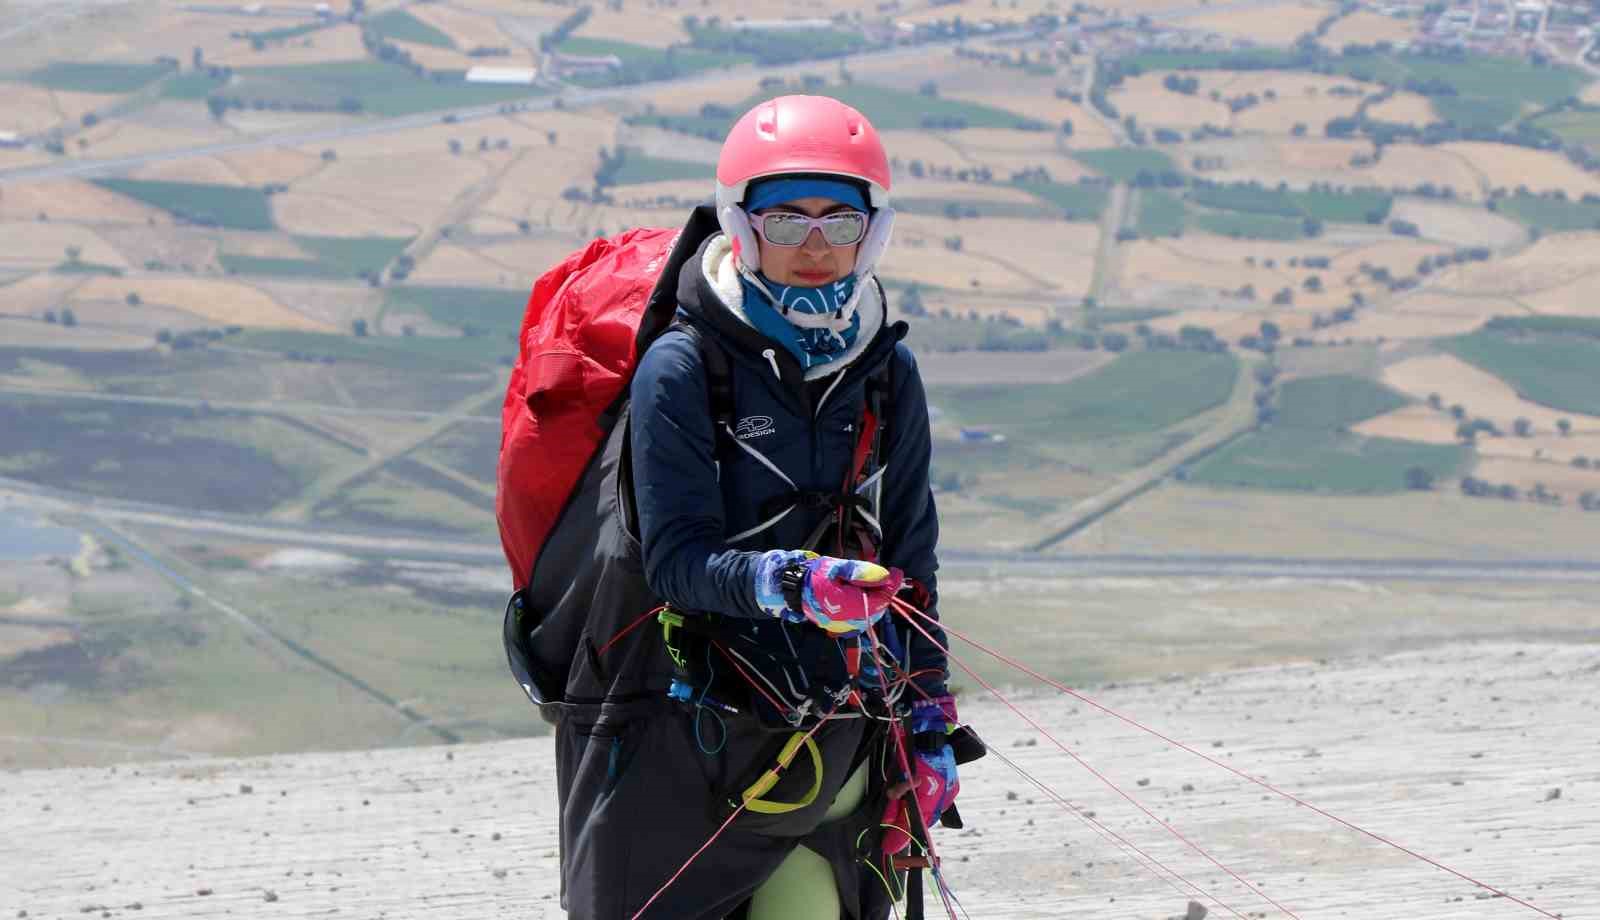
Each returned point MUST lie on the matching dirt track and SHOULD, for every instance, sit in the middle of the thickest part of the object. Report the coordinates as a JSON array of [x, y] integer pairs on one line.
[[1479, 756]]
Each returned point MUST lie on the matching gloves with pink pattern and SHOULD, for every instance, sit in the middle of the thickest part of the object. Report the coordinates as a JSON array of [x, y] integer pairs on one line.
[[933, 772], [840, 596]]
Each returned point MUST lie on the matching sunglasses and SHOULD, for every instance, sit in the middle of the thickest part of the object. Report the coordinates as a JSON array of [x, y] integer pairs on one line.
[[786, 228]]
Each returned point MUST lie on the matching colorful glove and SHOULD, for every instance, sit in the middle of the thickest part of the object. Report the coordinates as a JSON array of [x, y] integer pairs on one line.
[[840, 596], [933, 772]]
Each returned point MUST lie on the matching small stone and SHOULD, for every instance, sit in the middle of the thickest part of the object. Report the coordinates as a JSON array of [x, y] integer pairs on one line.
[[246, 789], [269, 896], [1196, 911], [1011, 796], [495, 836], [1188, 787], [1553, 794], [499, 873], [202, 892], [1144, 782]]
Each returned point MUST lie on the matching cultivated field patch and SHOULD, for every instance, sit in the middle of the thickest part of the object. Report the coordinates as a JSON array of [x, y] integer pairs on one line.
[[36, 245], [1367, 28], [1404, 108], [1556, 260], [1458, 225], [1153, 104], [1563, 479], [1417, 422], [223, 302], [1280, 24], [1552, 370], [1405, 166], [1323, 461], [652, 28], [335, 216], [1508, 167], [1480, 393], [329, 45]]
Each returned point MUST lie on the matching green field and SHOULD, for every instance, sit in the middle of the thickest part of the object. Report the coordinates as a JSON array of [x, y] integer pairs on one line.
[[1559, 372], [231, 462], [1124, 164], [1357, 206], [1580, 125], [488, 315], [77, 267], [372, 87], [401, 26], [1160, 213], [233, 207], [1137, 393], [965, 208], [1250, 226], [1551, 214], [415, 354], [1079, 201], [191, 86], [1583, 326], [1307, 460], [279, 268], [637, 169], [1333, 402], [96, 78], [354, 255], [1475, 112], [641, 62], [888, 109]]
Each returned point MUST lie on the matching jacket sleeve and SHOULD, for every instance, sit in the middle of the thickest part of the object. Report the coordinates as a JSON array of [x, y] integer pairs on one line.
[[675, 485], [910, 521]]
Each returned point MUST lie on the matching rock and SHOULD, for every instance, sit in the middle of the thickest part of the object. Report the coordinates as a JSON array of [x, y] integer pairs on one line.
[[269, 896], [1553, 794], [1197, 911]]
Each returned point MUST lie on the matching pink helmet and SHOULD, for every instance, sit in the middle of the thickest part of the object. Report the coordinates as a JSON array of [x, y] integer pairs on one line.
[[803, 134]]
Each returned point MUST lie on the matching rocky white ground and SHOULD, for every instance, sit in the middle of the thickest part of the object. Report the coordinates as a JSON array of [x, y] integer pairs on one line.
[[1483, 757]]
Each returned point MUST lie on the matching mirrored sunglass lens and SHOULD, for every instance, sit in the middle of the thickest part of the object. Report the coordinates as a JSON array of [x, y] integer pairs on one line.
[[785, 229], [843, 229]]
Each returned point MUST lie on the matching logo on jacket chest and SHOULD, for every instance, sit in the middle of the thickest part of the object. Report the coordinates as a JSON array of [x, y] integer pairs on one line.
[[754, 426]]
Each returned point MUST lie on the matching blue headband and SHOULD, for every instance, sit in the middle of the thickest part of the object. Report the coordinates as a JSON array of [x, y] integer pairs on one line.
[[765, 193]]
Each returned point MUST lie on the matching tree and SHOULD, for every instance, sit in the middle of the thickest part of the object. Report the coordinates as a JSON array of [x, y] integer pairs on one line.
[[217, 105], [1270, 331], [133, 299], [1564, 426], [1458, 412], [1435, 401], [1419, 479], [911, 302], [1522, 427], [359, 327], [74, 253]]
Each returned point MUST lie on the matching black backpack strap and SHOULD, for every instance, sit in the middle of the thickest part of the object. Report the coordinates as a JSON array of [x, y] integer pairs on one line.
[[719, 379]]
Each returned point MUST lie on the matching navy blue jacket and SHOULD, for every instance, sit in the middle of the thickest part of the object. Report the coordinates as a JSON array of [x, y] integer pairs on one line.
[[692, 494]]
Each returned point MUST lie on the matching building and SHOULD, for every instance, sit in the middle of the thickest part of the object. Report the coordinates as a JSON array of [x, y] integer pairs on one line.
[[512, 76]]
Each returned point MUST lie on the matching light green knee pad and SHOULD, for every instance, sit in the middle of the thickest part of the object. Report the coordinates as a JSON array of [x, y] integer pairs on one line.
[[802, 888]]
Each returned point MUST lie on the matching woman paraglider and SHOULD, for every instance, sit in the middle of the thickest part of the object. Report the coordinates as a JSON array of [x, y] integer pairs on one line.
[[786, 733]]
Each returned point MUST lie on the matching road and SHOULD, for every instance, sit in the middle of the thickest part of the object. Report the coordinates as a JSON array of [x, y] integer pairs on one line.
[[431, 548]]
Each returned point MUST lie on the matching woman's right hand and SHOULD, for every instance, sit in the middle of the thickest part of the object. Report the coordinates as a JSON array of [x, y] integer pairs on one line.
[[840, 596]]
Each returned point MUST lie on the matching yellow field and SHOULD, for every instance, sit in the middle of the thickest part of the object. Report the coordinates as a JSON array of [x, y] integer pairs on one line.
[[120, 137], [30, 333], [37, 293], [42, 245], [1274, 25], [655, 28], [1545, 445], [523, 261], [961, 191], [263, 246], [339, 43], [978, 143], [1154, 105], [1367, 28], [210, 170], [274, 164], [449, 264], [1038, 255], [28, 109], [215, 301], [73, 200], [1323, 154], [73, 106], [412, 188], [1564, 479], [931, 149], [1556, 260], [1460, 225], [1218, 266], [1507, 166], [1482, 394], [1400, 257], [1409, 165], [1300, 99], [1411, 423], [1370, 326], [323, 215], [1575, 298], [1087, 129], [1406, 108]]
